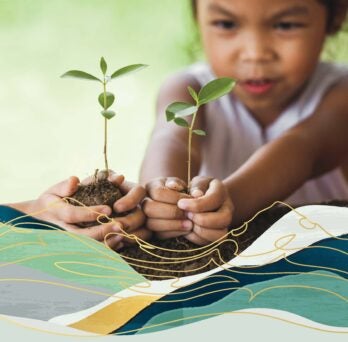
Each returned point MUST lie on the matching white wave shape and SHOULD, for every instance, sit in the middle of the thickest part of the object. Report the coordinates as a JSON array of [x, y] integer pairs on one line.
[[294, 231]]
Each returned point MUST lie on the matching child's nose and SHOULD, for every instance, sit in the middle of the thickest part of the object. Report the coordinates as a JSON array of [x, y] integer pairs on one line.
[[256, 48]]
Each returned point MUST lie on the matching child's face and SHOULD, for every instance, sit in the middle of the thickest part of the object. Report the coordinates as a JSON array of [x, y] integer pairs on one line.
[[270, 46]]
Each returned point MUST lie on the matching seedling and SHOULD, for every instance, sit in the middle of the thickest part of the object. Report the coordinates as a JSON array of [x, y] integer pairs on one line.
[[105, 99], [178, 110]]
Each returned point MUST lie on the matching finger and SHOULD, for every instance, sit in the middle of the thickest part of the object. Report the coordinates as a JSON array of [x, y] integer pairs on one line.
[[169, 235], [157, 191], [211, 201], [74, 214], [68, 227], [65, 188], [215, 219], [114, 242], [158, 225], [104, 231], [99, 232], [194, 238], [127, 186], [209, 234], [133, 220], [159, 210], [134, 194], [140, 234], [175, 183], [115, 178], [199, 185]]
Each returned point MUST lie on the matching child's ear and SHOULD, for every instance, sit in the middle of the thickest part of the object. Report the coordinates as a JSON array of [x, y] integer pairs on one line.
[[340, 16]]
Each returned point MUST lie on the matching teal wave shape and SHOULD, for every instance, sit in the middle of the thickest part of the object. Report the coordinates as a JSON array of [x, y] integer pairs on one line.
[[320, 296]]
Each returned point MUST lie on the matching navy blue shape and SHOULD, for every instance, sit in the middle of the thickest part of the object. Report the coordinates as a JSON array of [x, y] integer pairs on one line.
[[319, 257], [16, 217]]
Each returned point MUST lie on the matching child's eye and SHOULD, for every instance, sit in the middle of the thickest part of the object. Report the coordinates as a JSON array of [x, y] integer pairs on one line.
[[224, 24], [287, 26]]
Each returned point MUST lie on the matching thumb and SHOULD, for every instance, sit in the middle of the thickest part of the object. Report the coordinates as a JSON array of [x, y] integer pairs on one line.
[[199, 185], [65, 188], [115, 178], [175, 183]]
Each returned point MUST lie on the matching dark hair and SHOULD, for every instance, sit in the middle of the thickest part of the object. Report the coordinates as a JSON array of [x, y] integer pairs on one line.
[[337, 12]]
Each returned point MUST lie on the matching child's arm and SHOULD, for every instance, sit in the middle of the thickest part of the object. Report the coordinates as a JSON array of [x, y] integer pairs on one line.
[[51, 207], [166, 155], [313, 147]]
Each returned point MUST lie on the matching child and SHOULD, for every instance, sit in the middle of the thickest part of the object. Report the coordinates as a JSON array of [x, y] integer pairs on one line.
[[51, 207], [282, 134]]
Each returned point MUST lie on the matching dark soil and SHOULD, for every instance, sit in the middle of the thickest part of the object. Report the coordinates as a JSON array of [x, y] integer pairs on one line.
[[100, 192], [178, 257]]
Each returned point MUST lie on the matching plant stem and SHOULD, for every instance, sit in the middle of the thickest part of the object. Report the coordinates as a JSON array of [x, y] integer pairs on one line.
[[189, 150], [105, 145], [105, 134], [189, 157]]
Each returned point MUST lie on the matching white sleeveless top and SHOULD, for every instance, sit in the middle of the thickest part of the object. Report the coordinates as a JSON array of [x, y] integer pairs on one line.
[[233, 134]]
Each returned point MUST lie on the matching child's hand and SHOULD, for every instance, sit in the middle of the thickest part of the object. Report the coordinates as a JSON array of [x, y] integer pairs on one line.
[[51, 207], [163, 215], [134, 222], [210, 210]]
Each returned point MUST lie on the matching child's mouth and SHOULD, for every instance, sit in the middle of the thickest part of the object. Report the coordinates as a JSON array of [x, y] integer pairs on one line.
[[259, 86]]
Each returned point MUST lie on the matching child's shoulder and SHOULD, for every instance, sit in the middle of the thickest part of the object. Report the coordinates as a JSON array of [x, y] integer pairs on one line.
[[194, 75], [334, 100], [326, 79], [331, 70], [174, 86], [335, 75]]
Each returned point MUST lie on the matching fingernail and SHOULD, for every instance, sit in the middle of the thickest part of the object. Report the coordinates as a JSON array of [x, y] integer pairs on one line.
[[197, 193], [183, 204], [171, 183], [116, 227], [117, 238], [189, 215], [187, 224], [106, 210], [120, 245]]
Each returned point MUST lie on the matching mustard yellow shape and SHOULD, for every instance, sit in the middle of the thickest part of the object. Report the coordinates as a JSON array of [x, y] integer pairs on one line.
[[114, 315]]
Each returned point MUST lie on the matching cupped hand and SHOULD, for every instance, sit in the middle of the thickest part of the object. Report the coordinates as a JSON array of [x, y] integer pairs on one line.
[[52, 206], [210, 210], [164, 218]]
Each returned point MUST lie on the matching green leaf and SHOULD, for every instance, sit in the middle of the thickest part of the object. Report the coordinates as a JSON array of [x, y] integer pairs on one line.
[[80, 74], [128, 69], [110, 98], [181, 122], [193, 93], [215, 89], [103, 65], [170, 116], [108, 114], [199, 132], [180, 109]]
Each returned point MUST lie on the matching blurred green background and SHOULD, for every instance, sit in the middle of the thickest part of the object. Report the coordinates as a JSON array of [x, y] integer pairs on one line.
[[51, 127]]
